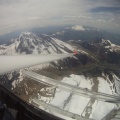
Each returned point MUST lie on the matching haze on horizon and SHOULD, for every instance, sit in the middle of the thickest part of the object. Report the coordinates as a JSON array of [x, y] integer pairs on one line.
[[26, 14]]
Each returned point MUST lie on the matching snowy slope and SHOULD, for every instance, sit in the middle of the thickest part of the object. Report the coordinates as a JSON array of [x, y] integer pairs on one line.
[[29, 43], [110, 46], [76, 104]]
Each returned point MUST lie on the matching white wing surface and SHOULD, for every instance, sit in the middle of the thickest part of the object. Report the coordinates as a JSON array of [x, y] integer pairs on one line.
[[10, 62]]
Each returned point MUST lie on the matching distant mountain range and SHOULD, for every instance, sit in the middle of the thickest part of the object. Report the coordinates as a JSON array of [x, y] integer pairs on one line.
[[85, 34], [65, 33]]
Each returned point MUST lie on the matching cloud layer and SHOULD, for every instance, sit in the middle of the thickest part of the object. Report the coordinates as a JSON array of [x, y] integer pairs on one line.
[[18, 14]]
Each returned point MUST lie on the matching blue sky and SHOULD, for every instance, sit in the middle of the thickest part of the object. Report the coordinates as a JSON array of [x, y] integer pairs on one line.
[[19, 14]]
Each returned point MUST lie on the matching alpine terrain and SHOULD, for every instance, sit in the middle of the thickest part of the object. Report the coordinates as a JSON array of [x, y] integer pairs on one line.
[[95, 67]]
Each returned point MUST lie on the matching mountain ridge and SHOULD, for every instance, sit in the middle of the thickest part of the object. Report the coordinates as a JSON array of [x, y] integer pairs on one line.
[[86, 62]]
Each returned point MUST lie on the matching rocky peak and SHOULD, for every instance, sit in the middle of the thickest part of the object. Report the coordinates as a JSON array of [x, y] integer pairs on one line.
[[105, 43]]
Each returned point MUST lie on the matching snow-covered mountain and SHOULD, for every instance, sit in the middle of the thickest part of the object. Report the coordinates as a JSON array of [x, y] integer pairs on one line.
[[76, 28], [84, 33], [95, 67], [106, 50], [89, 52], [29, 43]]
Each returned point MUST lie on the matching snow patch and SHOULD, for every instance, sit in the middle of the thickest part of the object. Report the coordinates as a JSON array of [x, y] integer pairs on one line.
[[78, 28]]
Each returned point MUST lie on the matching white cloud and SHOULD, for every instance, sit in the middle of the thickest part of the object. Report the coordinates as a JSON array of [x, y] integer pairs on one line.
[[32, 13]]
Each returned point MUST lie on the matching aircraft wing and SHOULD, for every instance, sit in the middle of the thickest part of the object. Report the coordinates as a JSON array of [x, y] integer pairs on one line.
[[14, 62]]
